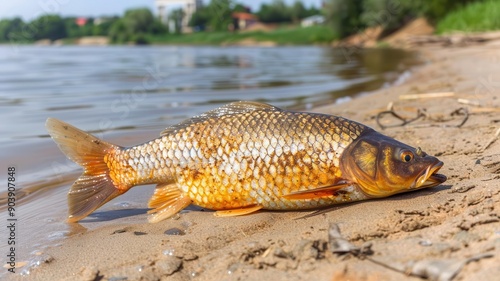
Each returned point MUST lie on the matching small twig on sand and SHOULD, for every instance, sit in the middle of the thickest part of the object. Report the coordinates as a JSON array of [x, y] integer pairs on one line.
[[461, 111], [477, 110], [492, 140], [469, 102], [426, 95]]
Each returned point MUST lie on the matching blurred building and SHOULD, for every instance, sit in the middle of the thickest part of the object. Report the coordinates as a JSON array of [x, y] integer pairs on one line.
[[312, 20], [101, 20], [242, 21], [188, 7], [81, 21]]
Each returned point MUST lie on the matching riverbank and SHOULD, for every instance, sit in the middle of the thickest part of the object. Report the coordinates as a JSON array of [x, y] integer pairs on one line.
[[416, 232], [277, 36], [290, 35]]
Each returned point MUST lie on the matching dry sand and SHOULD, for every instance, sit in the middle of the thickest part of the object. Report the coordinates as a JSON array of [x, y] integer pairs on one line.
[[431, 231]]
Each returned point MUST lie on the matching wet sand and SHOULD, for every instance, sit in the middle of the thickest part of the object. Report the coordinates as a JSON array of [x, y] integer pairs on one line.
[[432, 230]]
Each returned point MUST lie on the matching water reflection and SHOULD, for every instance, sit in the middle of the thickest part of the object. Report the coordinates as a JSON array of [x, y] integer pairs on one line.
[[368, 62]]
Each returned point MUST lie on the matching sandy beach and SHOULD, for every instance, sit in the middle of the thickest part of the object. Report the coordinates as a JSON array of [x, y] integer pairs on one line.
[[448, 232]]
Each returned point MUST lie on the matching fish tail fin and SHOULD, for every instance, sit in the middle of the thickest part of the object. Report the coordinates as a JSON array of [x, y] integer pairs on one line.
[[94, 187]]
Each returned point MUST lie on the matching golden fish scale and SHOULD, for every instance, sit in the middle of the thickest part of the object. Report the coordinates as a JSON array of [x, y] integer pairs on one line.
[[244, 159]]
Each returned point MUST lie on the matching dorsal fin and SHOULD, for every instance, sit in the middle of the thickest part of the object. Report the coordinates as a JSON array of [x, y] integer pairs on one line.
[[228, 109]]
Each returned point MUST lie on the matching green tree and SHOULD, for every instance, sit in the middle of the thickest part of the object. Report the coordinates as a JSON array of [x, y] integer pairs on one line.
[[220, 14], [119, 32], [49, 27], [390, 14], [200, 18], [134, 26], [11, 29], [298, 11], [176, 16], [437, 9], [88, 27], [313, 11], [99, 30], [240, 8], [275, 12], [72, 29], [139, 20], [345, 16], [103, 28], [217, 15], [4, 25]]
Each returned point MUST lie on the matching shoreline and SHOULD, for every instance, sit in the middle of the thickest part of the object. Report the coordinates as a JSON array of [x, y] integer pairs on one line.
[[454, 221]]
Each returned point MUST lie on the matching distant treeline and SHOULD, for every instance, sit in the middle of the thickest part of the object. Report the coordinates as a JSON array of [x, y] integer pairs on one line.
[[133, 26], [344, 16], [136, 24]]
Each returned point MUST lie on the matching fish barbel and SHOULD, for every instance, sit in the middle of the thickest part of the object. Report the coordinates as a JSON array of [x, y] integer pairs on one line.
[[243, 157]]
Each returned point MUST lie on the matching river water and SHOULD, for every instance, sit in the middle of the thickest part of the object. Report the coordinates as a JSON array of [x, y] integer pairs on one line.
[[127, 95]]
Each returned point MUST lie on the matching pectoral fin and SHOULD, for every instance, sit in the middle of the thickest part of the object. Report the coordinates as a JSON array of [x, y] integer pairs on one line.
[[167, 201], [238, 212], [316, 193]]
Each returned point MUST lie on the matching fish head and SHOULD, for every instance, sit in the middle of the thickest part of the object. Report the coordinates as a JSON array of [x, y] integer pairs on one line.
[[383, 166]]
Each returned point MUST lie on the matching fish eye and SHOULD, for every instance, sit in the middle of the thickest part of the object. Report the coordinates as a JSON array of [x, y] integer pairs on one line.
[[406, 156]]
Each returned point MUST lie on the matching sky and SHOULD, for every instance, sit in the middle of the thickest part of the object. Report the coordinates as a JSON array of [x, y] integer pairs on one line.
[[30, 9]]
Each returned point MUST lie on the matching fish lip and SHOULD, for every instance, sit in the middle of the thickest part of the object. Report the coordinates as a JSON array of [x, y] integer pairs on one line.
[[430, 177]]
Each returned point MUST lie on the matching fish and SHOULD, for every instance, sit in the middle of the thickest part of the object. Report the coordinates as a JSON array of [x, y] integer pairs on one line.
[[244, 157]]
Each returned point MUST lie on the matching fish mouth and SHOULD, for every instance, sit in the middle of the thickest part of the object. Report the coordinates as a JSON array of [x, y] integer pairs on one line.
[[430, 177]]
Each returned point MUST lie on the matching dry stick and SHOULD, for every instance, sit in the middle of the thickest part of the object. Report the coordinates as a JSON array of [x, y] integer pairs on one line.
[[426, 95], [479, 108], [492, 140], [391, 267], [469, 102], [484, 110]]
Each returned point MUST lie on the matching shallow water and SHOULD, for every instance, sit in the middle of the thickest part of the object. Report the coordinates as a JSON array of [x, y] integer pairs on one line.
[[127, 95]]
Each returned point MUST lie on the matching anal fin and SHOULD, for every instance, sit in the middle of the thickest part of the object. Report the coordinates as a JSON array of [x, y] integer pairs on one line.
[[316, 192], [167, 200], [238, 211]]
